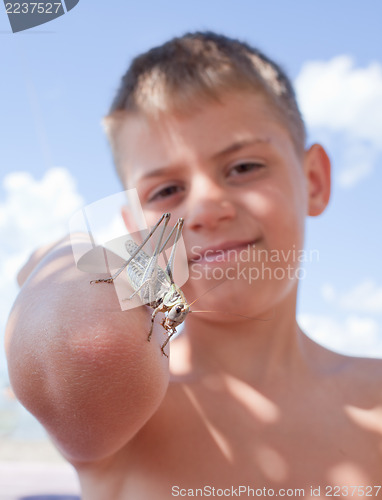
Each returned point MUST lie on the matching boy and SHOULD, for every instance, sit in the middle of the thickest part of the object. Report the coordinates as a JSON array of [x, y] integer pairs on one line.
[[208, 129]]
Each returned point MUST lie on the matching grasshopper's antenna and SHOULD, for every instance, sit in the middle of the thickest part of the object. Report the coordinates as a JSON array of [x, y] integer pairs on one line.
[[239, 315], [207, 291], [226, 312]]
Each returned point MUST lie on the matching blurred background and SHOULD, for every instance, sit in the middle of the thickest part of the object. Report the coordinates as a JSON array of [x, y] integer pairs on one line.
[[58, 80]]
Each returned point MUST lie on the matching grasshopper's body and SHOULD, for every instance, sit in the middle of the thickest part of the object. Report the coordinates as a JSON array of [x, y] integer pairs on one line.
[[156, 289], [151, 283]]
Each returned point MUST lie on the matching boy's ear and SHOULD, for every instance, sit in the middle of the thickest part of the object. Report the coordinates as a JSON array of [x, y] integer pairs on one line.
[[317, 173]]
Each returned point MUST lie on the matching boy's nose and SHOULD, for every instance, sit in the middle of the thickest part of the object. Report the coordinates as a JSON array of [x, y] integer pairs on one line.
[[209, 207]]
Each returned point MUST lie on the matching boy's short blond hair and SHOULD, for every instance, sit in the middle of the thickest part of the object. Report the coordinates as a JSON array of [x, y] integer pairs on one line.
[[178, 76]]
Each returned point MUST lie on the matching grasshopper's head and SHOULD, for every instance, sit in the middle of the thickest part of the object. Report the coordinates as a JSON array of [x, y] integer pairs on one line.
[[177, 314]]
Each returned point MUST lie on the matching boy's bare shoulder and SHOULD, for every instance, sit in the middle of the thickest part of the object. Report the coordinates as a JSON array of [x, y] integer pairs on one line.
[[356, 380], [365, 373], [361, 398], [329, 363]]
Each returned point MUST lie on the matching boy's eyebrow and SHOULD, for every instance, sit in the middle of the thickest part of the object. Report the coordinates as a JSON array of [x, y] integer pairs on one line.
[[237, 145], [158, 172]]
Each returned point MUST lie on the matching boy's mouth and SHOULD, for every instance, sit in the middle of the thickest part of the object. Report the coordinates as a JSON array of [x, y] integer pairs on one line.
[[227, 251]]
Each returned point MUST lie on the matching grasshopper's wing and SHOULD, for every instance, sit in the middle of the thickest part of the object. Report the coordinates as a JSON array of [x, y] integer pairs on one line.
[[145, 274]]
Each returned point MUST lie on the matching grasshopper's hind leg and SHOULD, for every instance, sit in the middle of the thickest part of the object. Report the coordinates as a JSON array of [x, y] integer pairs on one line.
[[165, 216]]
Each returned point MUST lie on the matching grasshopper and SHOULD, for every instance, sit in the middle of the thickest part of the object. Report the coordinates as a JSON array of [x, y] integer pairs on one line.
[[155, 286]]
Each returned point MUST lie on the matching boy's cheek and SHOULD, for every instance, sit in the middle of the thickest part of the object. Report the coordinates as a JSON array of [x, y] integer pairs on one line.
[[273, 205], [283, 223]]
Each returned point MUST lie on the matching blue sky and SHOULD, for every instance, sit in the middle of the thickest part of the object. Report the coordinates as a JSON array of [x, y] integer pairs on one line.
[[58, 80]]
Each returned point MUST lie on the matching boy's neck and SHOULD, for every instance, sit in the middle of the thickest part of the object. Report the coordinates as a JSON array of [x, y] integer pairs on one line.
[[256, 351]]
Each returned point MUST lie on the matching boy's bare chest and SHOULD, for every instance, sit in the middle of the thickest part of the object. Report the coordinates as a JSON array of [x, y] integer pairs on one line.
[[200, 442], [223, 443]]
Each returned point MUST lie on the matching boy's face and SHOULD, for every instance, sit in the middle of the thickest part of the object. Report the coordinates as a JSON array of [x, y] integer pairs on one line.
[[232, 172]]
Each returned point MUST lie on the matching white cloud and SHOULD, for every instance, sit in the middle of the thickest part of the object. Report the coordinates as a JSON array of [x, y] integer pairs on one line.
[[345, 101], [328, 292], [350, 176], [337, 95], [358, 160], [33, 212], [36, 211], [365, 297], [352, 335], [354, 328]]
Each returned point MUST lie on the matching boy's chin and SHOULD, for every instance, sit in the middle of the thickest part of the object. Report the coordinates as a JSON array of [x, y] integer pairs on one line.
[[227, 297], [238, 298]]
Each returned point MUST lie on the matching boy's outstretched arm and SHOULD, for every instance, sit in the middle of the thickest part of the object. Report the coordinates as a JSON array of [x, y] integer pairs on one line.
[[77, 362]]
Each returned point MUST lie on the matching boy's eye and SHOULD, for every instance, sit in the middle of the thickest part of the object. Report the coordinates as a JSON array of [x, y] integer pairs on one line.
[[245, 167], [165, 192]]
